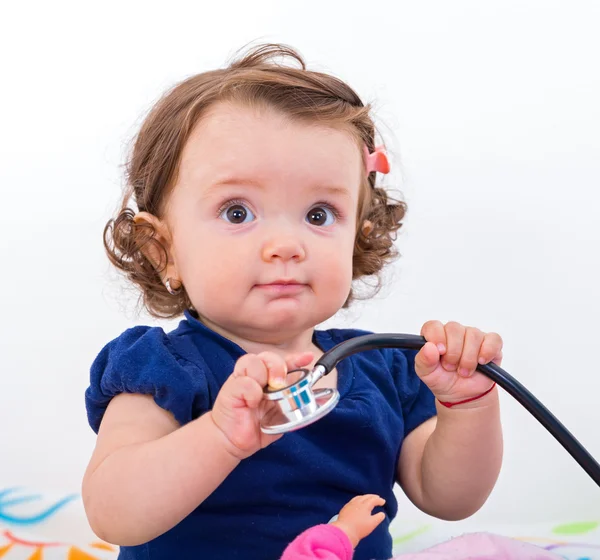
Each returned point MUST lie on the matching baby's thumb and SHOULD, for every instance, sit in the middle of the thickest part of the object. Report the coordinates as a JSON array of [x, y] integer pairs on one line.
[[278, 374], [427, 360], [292, 362]]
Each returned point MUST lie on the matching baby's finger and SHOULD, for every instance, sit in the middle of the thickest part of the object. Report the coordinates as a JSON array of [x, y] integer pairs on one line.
[[293, 362], [470, 353], [433, 331], [246, 392], [373, 500], [250, 365], [455, 336], [491, 349], [370, 499], [299, 360], [377, 519], [276, 369]]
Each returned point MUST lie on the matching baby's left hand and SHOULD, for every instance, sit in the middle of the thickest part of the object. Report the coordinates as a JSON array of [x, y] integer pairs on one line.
[[448, 360]]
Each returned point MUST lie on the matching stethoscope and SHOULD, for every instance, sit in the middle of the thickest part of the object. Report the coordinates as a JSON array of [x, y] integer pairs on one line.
[[299, 405]]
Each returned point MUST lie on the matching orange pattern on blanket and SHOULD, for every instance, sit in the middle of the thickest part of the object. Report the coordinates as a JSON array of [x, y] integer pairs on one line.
[[17, 545], [103, 546], [37, 554], [73, 553], [78, 554]]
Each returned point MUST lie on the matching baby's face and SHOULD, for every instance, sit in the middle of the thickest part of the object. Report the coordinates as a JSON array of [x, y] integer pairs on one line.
[[262, 200]]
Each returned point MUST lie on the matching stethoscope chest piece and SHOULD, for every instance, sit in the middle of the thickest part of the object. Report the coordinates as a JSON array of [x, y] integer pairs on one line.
[[297, 404]]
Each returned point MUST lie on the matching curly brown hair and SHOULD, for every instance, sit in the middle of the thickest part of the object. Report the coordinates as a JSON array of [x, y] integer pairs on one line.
[[260, 77]]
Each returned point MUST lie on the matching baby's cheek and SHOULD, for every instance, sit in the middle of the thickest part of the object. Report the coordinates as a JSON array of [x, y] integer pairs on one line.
[[209, 277], [337, 280]]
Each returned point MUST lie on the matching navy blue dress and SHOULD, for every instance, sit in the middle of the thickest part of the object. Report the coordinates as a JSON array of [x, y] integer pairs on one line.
[[301, 480]]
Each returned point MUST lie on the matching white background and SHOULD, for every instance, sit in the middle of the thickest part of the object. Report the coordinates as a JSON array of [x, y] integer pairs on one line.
[[492, 112]]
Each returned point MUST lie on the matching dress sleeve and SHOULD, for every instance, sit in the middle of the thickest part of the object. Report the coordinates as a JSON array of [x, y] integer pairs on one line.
[[322, 542], [418, 402], [142, 360]]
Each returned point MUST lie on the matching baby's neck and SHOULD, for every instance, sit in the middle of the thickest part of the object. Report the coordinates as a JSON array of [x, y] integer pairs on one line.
[[283, 346], [280, 343]]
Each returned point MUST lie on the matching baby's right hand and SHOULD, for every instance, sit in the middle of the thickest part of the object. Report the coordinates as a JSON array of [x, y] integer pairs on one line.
[[240, 405], [356, 519]]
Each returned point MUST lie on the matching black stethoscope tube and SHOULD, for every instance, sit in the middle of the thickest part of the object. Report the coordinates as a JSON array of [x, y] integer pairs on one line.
[[414, 342]]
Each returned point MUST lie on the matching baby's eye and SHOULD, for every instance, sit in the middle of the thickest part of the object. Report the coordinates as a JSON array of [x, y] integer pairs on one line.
[[321, 216], [237, 214]]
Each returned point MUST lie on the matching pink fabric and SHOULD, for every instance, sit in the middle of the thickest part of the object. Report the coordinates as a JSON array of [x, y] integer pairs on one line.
[[482, 546], [327, 542], [323, 542]]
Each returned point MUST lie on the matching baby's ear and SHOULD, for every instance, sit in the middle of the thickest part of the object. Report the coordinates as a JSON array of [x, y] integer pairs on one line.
[[155, 252]]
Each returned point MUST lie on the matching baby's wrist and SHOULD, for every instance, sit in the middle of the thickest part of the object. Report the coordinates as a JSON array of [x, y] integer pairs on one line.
[[482, 400]]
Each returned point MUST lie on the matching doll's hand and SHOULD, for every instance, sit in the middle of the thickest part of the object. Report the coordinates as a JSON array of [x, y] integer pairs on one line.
[[240, 406], [447, 362], [356, 519]]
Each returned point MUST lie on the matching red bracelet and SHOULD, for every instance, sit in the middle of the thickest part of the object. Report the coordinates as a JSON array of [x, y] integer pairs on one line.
[[451, 404]]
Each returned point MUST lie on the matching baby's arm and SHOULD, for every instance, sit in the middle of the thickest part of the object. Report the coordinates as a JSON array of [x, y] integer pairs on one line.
[[146, 473], [449, 465]]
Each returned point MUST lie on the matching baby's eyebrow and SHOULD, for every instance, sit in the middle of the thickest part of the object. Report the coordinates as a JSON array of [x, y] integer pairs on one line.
[[333, 190], [234, 181]]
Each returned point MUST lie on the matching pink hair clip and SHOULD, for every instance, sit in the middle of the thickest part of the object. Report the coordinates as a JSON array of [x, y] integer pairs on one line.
[[377, 161]]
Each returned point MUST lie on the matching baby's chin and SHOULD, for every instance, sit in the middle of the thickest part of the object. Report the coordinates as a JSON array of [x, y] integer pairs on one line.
[[287, 314], [278, 327], [273, 322], [270, 328]]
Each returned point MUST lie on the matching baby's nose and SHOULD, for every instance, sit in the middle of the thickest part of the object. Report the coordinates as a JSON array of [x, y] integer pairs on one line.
[[285, 247]]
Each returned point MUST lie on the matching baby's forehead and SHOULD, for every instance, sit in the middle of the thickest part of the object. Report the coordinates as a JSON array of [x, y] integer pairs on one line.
[[234, 124], [259, 143]]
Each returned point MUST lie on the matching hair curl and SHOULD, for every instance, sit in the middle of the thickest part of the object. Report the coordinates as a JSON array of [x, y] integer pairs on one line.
[[259, 77]]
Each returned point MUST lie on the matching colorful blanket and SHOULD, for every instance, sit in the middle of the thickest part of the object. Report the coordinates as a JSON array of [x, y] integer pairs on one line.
[[46, 526], [572, 540]]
